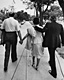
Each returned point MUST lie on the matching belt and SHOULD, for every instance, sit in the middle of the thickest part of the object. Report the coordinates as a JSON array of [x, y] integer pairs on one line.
[[11, 32]]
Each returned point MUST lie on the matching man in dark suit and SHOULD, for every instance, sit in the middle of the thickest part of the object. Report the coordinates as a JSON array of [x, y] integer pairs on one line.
[[52, 40]]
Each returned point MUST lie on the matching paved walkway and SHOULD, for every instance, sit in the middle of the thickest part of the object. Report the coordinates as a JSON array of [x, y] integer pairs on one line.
[[22, 69]]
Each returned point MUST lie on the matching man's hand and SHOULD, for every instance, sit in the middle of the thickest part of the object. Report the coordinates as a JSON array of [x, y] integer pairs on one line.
[[21, 41]]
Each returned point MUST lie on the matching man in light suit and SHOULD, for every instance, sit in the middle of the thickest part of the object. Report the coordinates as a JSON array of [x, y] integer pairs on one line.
[[53, 31]]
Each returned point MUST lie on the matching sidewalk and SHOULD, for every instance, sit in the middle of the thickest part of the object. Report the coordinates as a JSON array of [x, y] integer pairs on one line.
[[22, 69]]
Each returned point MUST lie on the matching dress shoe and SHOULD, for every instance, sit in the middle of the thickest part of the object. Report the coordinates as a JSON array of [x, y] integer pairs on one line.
[[54, 75], [49, 71], [49, 63], [14, 60], [33, 66], [36, 68], [5, 69]]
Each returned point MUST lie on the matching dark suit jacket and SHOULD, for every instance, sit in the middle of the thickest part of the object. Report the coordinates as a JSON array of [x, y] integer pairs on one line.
[[53, 31], [38, 29]]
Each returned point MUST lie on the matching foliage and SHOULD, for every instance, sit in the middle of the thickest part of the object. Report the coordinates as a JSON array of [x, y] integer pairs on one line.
[[46, 2], [20, 15], [2, 16], [61, 2], [54, 10], [43, 1]]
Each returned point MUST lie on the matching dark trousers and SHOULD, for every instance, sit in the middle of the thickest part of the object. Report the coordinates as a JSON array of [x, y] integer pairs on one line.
[[52, 60], [10, 46]]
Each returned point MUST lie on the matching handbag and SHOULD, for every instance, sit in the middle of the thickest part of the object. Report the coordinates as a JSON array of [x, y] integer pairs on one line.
[[3, 37]]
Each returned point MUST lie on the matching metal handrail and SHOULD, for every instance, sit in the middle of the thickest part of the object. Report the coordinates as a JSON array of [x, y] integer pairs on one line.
[[59, 64], [17, 64]]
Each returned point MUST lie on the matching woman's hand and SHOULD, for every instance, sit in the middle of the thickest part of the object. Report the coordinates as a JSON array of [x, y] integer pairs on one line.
[[21, 41]]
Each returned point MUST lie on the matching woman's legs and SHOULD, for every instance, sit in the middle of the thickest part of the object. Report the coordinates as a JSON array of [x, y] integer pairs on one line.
[[33, 60], [37, 64], [36, 55]]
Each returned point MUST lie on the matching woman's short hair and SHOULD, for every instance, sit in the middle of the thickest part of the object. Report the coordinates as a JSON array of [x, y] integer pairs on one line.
[[53, 18], [11, 14], [36, 21]]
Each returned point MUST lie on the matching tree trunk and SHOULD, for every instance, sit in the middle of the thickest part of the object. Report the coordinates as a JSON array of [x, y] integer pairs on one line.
[[36, 11], [41, 18], [41, 15]]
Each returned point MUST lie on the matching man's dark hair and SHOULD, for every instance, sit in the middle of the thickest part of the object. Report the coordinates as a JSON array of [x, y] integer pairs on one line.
[[36, 21], [11, 14]]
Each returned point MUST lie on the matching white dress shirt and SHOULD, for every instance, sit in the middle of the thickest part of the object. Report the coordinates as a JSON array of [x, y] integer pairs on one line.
[[10, 25]]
